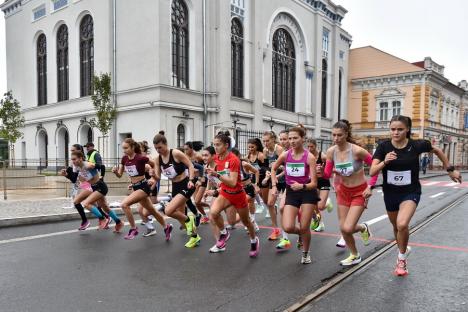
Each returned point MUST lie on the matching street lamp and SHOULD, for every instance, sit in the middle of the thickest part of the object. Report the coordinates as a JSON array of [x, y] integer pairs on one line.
[[235, 120], [271, 123]]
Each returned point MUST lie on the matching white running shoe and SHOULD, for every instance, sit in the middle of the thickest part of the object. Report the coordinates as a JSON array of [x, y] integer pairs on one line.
[[341, 243], [215, 249], [306, 260], [320, 228]]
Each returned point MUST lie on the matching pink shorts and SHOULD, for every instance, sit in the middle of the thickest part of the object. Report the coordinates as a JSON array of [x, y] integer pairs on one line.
[[86, 186]]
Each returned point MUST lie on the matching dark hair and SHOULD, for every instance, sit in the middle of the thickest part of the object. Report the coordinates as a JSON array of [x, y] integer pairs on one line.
[[195, 145], [210, 150], [225, 137], [344, 125], [258, 144], [160, 138], [299, 129], [134, 144], [312, 141], [79, 147], [236, 152], [189, 144], [406, 121], [78, 154], [144, 146]]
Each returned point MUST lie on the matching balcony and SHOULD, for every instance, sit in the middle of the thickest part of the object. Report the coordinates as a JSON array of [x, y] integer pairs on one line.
[[381, 124]]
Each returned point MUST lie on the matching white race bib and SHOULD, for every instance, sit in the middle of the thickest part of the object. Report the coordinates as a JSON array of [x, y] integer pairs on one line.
[[399, 177], [131, 170], [295, 169], [169, 172], [345, 169]]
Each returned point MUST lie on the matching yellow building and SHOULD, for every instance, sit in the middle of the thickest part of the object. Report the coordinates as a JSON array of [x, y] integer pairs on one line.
[[382, 85]]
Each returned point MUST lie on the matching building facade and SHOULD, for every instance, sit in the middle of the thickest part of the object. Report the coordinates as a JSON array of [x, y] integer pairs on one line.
[[187, 67], [382, 85]]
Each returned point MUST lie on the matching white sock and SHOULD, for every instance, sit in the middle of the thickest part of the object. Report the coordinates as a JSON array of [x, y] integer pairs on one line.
[[402, 256], [149, 225], [223, 231], [253, 241], [285, 235]]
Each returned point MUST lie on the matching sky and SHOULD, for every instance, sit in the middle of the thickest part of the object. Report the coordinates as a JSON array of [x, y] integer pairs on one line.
[[409, 29]]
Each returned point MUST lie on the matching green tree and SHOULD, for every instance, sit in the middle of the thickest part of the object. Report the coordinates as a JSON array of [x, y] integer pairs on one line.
[[105, 110], [12, 120]]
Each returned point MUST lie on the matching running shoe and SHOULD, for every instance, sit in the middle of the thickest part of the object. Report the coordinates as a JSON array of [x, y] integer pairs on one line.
[[230, 227], [131, 234], [284, 244], [320, 228], [84, 226], [205, 220], [329, 205], [198, 219], [315, 222], [193, 242], [190, 225], [223, 238], [305, 259], [142, 222], [299, 243], [118, 227], [150, 232], [401, 268], [275, 234], [366, 234], [168, 231], [351, 260], [254, 248], [104, 223], [215, 249], [341, 243]]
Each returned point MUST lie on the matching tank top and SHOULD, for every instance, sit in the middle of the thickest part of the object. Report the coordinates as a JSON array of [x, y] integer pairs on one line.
[[272, 157], [244, 175], [171, 169], [349, 166], [297, 170]]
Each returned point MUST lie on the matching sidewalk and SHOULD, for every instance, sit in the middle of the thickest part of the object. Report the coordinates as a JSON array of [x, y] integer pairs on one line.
[[38, 206]]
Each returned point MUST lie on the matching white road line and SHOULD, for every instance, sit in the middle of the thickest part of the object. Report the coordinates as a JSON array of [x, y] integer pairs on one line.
[[437, 195], [378, 219]]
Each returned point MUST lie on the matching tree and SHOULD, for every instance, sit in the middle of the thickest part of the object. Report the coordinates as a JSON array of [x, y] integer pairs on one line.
[[105, 110], [12, 120]]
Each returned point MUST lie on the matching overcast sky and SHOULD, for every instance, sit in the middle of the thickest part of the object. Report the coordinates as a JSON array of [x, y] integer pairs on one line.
[[409, 29]]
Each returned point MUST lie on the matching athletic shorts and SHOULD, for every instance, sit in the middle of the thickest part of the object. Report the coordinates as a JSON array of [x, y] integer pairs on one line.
[[280, 186], [393, 200], [350, 196], [86, 186], [323, 184], [238, 200], [260, 184], [142, 185], [100, 187], [250, 190], [181, 188], [298, 198]]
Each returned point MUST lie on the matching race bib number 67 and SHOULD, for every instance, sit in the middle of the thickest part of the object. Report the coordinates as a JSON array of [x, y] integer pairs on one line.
[[399, 177]]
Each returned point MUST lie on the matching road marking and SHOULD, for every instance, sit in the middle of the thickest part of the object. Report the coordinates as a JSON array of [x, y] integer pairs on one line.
[[451, 184], [437, 195], [430, 183], [375, 220]]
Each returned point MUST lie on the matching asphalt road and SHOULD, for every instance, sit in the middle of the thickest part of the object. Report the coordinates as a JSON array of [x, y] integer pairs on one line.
[[63, 270]]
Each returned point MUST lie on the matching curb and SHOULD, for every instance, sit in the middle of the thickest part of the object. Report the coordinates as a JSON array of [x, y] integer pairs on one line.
[[12, 222]]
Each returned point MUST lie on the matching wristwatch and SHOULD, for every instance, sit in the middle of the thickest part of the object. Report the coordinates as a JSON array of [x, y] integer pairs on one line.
[[450, 168]]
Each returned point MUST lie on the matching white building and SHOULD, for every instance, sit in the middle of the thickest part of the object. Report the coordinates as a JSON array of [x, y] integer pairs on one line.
[[189, 67]]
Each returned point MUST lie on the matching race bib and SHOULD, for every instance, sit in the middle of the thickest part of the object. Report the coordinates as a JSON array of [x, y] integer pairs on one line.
[[345, 169], [295, 169], [399, 177], [86, 175], [131, 170], [169, 172], [224, 172]]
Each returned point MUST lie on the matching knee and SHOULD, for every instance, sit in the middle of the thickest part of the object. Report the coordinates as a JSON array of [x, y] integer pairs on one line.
[[347, 229], [402, 226], [213, 215], [125, 206], [289, 228]]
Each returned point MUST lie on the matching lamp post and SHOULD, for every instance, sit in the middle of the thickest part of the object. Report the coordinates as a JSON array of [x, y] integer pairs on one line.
[[235, 120], [271, 123]]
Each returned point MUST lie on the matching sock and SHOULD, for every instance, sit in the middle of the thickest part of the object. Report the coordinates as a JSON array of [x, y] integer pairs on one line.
[[223, 231], [285, 235], [305, 253], [402, 256], [102, 212], [82, 213], [149, 226], [187, 220], [114, 217], [96, 212], [253, 241], [252, 217], [192, 207]]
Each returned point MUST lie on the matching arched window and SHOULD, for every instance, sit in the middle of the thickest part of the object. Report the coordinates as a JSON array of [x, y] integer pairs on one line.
[[41, 57], [284, 71], [62, 63], [324, 87], [180, 44], [237, 58], [89, 135], [86, 55], [180, 135]]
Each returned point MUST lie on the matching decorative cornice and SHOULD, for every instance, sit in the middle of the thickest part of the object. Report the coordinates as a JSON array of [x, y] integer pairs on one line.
[[10, 7], [378, 82], [334, 13]]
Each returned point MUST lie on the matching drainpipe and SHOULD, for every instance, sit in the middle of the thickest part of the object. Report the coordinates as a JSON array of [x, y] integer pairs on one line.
[[114, 72], [205, 108]]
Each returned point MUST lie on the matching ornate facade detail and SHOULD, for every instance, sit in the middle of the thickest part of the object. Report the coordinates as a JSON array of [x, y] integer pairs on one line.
[[238, 8], [284, 19]]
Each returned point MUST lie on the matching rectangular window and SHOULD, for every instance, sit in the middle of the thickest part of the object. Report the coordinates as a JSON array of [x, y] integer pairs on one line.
[[383, 111], [396, 105], [39, 12], [58, 4], [325, 40]]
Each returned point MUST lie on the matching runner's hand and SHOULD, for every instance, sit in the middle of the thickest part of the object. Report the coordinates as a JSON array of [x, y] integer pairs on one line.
[[63, 172], [389, 157], [367, 193], [114, 169], [151, 182], [296, 186], [190, 185], [455, 176]]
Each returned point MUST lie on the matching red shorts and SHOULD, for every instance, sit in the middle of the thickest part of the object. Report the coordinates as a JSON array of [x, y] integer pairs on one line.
[[238, 200], [350, 196]]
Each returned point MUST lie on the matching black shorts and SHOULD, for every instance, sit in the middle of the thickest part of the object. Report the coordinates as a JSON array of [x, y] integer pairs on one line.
[[250, 190], [297, 198], [260, 183], [100, 187], [181, 188], [323, 184], [393, 200], [142, 185]]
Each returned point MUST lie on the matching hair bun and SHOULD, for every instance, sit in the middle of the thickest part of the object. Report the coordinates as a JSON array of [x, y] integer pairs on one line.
[[162, 132]]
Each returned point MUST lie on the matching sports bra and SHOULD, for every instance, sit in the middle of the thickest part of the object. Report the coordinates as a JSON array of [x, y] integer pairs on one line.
[[348, 167], [171, 169]]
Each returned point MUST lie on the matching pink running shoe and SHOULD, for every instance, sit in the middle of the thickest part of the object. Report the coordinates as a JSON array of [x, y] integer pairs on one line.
[[84, 226], [168, 231], [401, 269], [104, 223], [118, 227], [131, 234], [254, 248], [205, 220], [223, 238]]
